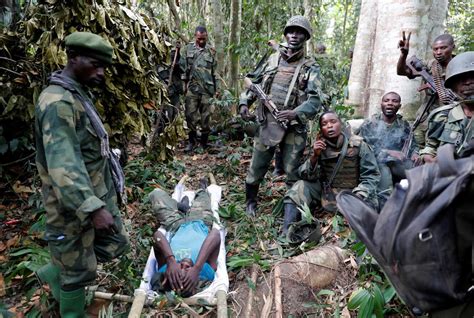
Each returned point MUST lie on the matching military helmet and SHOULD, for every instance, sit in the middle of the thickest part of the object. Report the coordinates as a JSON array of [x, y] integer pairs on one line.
[[299, 21], [460, 64], [304, 232]]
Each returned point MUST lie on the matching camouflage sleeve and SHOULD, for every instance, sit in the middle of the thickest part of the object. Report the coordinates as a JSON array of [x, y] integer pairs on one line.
[[309, 108], [369, 177], [435, 129], [69, 177], [308, 173], [364, 130], [247, 97]]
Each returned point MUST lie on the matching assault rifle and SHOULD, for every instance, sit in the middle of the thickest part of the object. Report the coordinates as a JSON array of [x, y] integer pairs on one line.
[[266, 101]]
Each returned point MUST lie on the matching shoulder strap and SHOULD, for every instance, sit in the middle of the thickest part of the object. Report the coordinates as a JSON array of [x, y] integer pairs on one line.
[[339, 161], [440, 109], [293, 81]]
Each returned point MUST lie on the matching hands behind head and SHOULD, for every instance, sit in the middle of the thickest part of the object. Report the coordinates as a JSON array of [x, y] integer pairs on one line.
[[404, 43], [182, 277]]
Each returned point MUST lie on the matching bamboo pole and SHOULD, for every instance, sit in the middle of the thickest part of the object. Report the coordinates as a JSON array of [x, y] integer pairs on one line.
[[250, 296], [110, 296], [278, 303], [221, 304], [138, 303]]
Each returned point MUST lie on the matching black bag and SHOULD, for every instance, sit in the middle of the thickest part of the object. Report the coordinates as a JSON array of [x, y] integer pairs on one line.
[[423, 236]]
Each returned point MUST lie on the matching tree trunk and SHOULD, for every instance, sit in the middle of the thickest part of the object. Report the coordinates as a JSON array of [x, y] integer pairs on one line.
[[218, 35], [234, 41], [309, 13], [376, 54]]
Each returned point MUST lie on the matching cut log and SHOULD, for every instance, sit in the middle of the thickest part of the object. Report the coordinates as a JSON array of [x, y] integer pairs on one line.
[[316, 268]]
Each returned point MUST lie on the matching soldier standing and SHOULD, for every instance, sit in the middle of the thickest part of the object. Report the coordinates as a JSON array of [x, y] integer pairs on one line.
[[442, 48], [198, 64], [338, 162], [80, 176], [387, 134], [453, 124], [293, 81]]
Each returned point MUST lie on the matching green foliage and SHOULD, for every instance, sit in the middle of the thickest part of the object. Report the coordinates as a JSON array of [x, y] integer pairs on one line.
[[34, 48], [460, 23]]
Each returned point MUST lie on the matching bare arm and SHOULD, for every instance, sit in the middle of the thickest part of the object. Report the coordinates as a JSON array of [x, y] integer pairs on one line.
[[164, 254], [208, 248], [404, 46]]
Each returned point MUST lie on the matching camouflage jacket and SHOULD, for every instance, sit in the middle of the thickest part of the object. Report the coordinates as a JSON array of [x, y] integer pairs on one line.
[[369, 174], [198, 67], [76, 179], [382, 136], [448, 125], [308, 84]]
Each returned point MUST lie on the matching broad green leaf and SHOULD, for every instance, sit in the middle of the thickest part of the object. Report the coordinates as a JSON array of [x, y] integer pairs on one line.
[[366, 308], [357, 298]]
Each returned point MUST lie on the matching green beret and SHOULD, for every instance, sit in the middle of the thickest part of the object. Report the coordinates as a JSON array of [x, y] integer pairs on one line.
[[90, 44]]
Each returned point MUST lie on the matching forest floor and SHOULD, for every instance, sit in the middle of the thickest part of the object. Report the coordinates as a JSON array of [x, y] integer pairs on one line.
[[252, 244]]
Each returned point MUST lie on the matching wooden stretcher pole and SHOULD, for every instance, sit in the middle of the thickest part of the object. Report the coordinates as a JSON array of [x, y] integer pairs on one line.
[[138, 303], [221, 304], [110, 296]]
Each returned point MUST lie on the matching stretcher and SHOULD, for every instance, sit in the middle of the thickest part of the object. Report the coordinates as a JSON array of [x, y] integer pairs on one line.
[[216, 293]]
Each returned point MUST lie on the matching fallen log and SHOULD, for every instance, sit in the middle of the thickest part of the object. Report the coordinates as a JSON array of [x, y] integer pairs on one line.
[[316, 268]]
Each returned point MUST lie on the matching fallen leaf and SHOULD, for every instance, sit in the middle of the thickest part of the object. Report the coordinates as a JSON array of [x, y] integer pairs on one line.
[[2, 246], [13, 241], [3, 290], [19, 188]]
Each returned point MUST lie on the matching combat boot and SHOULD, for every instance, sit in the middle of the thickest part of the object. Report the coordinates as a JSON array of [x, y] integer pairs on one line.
[[191, 142], [204, 139], [291, 216], [49, 274], [279, 170], [251, 192], [72, 303]]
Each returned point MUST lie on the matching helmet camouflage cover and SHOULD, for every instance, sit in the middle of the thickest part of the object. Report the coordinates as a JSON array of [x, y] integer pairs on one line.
[[301, 22], [460, 64]]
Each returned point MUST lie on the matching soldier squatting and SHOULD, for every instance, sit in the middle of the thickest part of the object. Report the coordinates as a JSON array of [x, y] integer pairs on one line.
[[82, 180]]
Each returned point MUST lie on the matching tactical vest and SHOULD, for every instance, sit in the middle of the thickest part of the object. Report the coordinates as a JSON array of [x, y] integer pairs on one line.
[[277, 80], [348, 175]]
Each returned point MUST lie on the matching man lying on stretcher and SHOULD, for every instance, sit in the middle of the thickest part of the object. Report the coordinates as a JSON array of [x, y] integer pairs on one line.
[[191, 254]]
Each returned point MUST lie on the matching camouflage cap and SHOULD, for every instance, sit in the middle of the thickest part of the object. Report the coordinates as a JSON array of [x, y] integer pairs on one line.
[[301, 22], [90, 44], [460, 64]]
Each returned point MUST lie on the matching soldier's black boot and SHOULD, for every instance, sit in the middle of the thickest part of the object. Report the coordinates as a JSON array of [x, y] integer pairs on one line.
[[191, 142], [291, 216], [279, 170], [204, 139], [251, 192]]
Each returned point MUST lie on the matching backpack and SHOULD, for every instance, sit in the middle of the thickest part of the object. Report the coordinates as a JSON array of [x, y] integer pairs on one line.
[[423, 236]]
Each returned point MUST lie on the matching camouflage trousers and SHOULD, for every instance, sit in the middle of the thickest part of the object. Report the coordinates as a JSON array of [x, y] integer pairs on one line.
[[77, 254], [198, 110], [310, 192], [167, 213], [292, 147]]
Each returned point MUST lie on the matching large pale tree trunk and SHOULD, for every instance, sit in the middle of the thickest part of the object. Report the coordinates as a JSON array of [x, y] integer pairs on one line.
[[218, 35], [376, 54], [234, 41], [309, 13]]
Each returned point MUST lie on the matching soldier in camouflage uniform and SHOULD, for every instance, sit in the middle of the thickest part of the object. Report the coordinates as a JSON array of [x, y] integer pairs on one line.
[[358, 170], [453, 123], [198, 64], [442, 47], [292, 80], [79, 178], [387, 133]]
